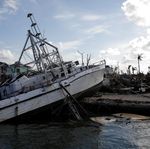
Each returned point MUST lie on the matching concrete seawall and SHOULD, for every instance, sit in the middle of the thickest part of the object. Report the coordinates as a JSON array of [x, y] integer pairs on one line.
[[115, 103]]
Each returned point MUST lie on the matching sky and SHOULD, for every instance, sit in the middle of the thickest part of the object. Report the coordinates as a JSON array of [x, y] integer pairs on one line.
[[114, 30]]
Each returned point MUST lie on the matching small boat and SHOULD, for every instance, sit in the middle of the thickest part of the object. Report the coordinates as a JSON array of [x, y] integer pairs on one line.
[[47, 76]]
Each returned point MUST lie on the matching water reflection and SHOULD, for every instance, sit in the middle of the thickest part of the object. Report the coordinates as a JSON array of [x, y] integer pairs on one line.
[[115, 135]]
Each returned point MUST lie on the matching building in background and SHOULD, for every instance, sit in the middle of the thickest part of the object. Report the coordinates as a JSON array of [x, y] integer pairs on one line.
[[10, 71], [3, 72]]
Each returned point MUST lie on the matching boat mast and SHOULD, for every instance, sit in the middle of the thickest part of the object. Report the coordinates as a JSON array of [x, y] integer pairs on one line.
[[37, 54], [46, 56]]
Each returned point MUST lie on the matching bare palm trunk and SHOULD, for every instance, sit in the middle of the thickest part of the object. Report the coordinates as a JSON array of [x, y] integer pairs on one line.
[[139, 65]]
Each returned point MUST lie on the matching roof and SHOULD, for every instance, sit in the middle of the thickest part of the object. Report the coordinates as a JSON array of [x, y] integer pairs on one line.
[[2, 63]]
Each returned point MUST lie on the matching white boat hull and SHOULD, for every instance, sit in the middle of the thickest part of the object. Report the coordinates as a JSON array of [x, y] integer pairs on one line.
[[30, 101]]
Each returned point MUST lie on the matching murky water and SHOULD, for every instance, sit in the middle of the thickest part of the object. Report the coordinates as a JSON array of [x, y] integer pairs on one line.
[[113, 135]]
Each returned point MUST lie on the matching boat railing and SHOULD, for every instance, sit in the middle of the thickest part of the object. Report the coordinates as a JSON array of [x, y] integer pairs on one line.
[[101, 62], [84, 68]]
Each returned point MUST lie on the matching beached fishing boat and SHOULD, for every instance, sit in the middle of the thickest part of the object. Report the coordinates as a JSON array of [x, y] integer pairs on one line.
[[47, 76]]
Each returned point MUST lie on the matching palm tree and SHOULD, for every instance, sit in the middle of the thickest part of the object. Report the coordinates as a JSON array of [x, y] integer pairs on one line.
[[133, 69], [129, 71], [139, 58], [148, 69]]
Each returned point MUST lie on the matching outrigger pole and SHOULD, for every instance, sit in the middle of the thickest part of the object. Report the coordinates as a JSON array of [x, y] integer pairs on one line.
[[72, 102]]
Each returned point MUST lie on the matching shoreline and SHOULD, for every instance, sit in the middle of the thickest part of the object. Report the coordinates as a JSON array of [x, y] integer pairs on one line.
[[118, 103]]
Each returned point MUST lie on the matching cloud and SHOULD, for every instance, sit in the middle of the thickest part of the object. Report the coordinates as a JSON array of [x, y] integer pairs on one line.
[[64, 16], [72, 56], [111, 51], [142, 42], [127, 54], [96, 30], [9, 6], [78, 16], [137, 11], [7, 56], [74, 44], [69, 49], [91, 17]]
